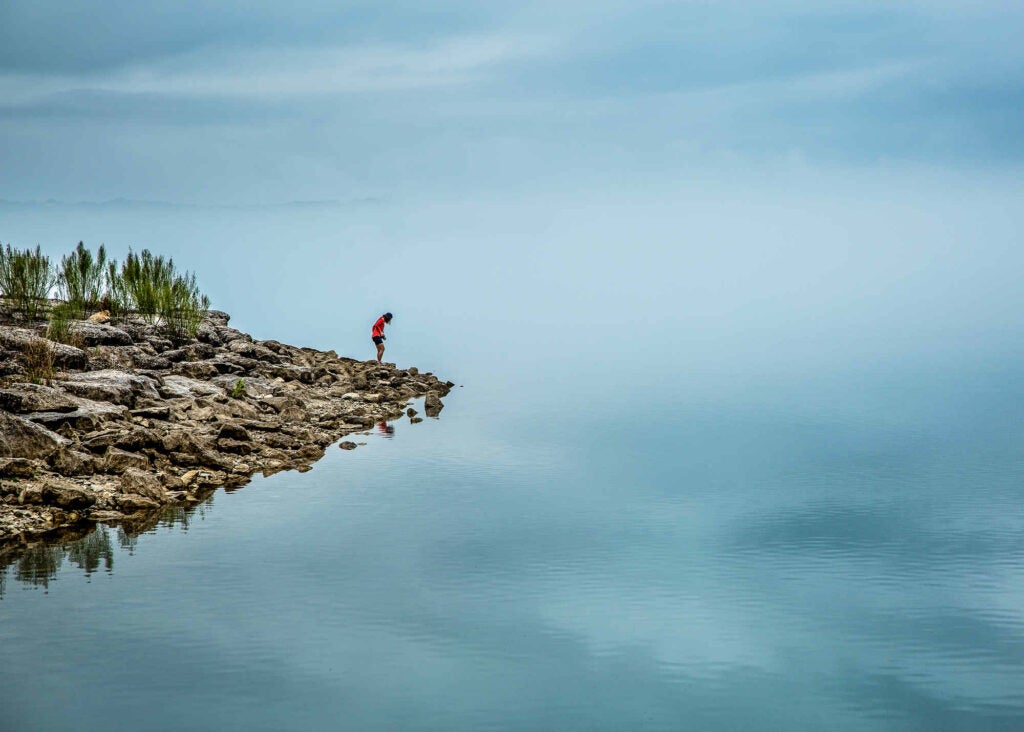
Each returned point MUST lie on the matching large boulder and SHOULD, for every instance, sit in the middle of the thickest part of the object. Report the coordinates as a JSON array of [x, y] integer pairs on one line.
[[86, 418], [197, 369], [233, 431], [119, 461], [218, 317], [67, 496], [110, 385], [64, 356], [23, 398], [132, 502], [16, 468], [129, 437], [142, 483], [178, 387], [21, 438], [99, 334], [208, 333], [72, 462]]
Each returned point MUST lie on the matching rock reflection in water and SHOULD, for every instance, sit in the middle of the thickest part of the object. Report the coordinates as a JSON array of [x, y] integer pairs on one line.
[[88, 547]]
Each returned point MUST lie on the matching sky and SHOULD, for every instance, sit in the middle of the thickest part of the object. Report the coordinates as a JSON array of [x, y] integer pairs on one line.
[[264, 102], [714, 184]]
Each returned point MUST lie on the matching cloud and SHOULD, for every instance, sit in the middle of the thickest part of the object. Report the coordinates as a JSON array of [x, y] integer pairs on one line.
[[291, 72]]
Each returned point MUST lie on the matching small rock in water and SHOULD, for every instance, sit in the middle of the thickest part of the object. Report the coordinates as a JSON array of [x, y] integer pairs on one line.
[[411, 412], [347, 445], [415, 420], [432, 405]]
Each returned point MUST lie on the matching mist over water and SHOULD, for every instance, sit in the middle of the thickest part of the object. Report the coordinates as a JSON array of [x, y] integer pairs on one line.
[[715, 283], [723, 457]]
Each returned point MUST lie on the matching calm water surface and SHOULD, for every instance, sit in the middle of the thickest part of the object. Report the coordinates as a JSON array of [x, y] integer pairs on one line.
[[841, 557]]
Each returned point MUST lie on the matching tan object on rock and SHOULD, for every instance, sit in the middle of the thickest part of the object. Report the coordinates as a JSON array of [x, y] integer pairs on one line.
[[103, 316]]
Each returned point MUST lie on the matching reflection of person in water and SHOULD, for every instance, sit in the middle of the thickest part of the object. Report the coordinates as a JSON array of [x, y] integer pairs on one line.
[[386, 430]]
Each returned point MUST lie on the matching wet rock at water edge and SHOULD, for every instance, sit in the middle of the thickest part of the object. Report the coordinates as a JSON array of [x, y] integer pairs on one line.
[[347, 445], [432, 405], [139, 482]]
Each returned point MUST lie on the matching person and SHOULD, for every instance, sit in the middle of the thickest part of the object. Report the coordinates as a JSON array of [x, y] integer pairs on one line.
[[378, 334]]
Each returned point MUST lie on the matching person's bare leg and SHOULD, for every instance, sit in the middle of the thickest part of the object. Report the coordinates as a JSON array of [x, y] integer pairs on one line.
[[380, 352]]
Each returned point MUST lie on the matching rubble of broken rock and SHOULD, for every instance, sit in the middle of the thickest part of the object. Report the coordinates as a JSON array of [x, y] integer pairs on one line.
[[130, 423]]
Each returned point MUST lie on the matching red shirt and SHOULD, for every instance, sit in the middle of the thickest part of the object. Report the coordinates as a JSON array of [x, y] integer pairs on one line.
[[378, 327]]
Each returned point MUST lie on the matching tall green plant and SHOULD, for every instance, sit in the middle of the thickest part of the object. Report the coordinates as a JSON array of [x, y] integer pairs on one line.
[[182, 308], [26, 278], [116, 298], [81, 278], [147, 279]]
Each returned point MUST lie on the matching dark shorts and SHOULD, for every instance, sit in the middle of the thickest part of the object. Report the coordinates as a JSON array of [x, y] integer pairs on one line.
[[378, 340]]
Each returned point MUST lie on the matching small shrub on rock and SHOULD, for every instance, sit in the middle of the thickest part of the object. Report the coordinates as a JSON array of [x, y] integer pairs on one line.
[[37, 357], [59, 329]]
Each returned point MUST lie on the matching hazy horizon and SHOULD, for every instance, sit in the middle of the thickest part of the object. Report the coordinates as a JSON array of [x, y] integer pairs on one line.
[[771, 190]]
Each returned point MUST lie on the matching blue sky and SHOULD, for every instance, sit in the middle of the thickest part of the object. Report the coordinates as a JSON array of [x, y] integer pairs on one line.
[[215, 102]]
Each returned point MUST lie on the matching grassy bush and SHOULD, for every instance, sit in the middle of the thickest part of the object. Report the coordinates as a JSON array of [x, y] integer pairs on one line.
[[148, 281], [81, 279], [37, 358], [181, 307], [145, 283], [26, 278], [238, 391], [116, 298], [61, 316]]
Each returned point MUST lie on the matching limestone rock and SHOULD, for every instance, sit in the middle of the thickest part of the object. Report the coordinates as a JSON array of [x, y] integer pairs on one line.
[[432, 404], [237, 447], [139, 482], [119, 461], [99, 334], [64, 356], [85, 419], [130, 503], [22, 398], [67, 496], [16, 468], [197, 369], [21, 438], [162, 412], [72, 462], [233, 431], [110, 385]]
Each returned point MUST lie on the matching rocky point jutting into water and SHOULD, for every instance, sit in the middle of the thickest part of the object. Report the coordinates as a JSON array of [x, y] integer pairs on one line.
[[129, 423]]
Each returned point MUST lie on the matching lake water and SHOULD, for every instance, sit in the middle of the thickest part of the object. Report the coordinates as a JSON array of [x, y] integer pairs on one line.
[[743, 459], [837, 556]]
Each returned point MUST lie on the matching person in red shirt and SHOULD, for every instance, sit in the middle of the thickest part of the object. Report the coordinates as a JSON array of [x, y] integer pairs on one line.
[[378, 334]]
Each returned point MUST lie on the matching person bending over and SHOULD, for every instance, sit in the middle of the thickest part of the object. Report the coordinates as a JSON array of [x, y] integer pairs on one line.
[[378, 334]]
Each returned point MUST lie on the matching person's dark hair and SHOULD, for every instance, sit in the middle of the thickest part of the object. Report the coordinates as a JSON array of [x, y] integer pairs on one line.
[[387, 317]]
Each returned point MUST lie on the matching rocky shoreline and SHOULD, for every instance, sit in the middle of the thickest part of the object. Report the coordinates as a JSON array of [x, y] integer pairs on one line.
[[130, 423]]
